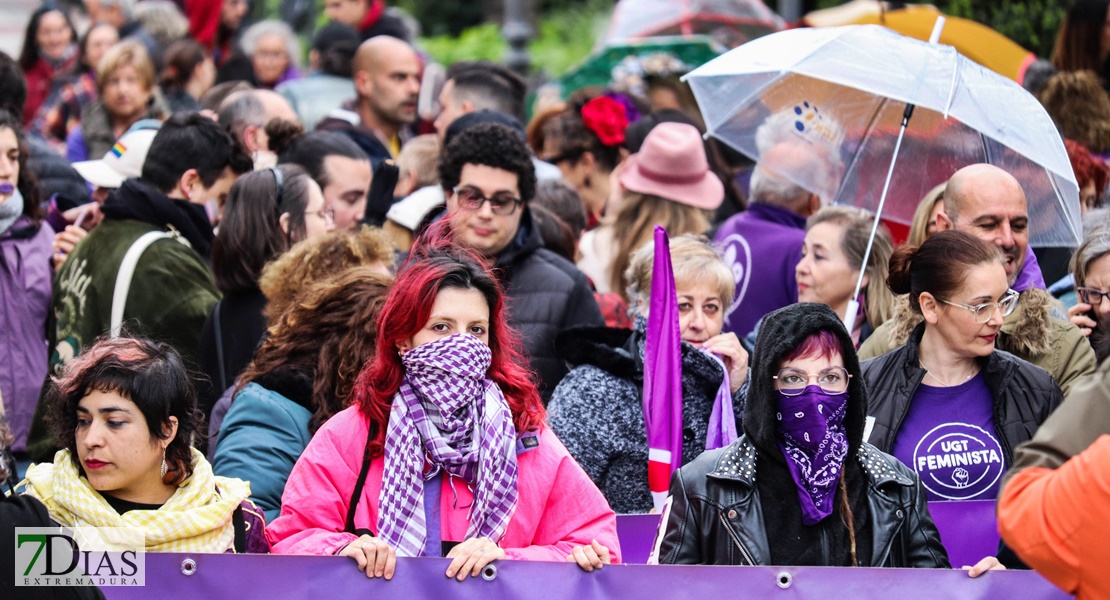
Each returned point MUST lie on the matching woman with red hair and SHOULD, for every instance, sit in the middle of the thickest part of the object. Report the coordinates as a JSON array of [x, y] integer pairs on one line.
[[445, 450]]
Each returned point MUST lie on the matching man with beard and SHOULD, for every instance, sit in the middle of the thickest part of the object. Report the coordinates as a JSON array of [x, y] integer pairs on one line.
[[989, 203], [387, 81]]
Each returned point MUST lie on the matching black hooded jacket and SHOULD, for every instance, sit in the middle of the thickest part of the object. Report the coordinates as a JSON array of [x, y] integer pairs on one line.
[[739, 505], [1023, 393]]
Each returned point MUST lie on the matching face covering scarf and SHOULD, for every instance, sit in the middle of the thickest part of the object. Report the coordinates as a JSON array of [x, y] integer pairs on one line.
[[10, 210], [449, 415], [812, 439]]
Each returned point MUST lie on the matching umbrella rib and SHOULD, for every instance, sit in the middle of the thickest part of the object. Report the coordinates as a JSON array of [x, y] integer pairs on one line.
[[952, 86]]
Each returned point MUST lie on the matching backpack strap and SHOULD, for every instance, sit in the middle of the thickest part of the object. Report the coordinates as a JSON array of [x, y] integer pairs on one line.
[[240, 524], [127, 271], [359, 484]]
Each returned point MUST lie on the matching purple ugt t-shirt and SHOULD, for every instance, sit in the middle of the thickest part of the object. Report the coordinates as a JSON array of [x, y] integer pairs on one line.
[[949, 439]]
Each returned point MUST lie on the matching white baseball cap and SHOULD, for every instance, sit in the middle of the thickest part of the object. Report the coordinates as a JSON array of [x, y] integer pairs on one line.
[[122, 162]]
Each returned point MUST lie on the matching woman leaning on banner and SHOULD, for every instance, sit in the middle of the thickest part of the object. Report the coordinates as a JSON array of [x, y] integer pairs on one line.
[[124, 413], [444, 451], [800, 487], [948, 403]]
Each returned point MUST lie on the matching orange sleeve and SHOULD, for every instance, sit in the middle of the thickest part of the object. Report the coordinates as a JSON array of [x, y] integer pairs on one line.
[[1058, 520]]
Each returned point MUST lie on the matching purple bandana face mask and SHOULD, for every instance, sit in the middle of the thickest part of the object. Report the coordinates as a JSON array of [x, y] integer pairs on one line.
[[812, 439]]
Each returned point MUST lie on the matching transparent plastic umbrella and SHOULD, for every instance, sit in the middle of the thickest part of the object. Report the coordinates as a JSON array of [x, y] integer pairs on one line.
[[841, 95], [730, 22]]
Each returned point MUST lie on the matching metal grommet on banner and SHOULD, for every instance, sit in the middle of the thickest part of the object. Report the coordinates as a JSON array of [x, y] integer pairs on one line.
[[784, 580], [489, 573], [188, 567]]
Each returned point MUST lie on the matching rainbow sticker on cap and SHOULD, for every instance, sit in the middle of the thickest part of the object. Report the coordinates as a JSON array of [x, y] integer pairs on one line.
[[118, 150]]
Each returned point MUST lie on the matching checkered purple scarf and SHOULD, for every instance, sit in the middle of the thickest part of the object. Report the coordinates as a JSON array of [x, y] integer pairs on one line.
[[449, 415]]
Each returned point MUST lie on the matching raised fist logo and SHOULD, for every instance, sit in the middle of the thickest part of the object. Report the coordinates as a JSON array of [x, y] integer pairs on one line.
[[961, 477]]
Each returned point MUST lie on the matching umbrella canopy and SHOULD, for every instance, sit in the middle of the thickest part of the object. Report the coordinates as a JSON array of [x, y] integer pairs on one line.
[[730, 22], [971, 38], [839, 95], [641, 59]]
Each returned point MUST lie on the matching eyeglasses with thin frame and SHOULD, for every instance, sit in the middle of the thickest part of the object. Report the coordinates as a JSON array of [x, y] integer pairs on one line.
[[501, 203], [984, 312], [1092, 296], [326, 213], [831, 380]]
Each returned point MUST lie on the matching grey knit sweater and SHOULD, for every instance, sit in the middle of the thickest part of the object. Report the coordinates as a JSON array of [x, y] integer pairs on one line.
[[597, 409]]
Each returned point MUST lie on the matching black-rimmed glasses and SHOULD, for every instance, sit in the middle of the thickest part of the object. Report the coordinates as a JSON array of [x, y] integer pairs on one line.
[[1092, 296], [501, 203]]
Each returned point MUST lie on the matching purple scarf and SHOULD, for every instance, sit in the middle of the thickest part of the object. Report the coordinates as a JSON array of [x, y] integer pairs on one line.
[[1030, 275], [449, 415], [812, 439], [722, 419]]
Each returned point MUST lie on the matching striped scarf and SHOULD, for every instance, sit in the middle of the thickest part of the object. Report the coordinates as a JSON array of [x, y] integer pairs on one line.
[[197, 518], [448, 415]]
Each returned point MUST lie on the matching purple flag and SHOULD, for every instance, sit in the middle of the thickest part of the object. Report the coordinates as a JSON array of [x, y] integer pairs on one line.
[[663, 375]]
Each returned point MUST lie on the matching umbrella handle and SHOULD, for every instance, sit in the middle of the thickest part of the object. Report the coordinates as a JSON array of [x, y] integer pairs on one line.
[[850, 315]]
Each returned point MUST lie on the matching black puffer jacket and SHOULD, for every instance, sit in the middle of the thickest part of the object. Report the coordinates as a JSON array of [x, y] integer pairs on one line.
[[737, 505], [1024, 394], [546, 295], [598, 409]]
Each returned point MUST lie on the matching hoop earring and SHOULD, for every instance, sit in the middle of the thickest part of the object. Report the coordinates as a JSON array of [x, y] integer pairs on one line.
[[164, 462]]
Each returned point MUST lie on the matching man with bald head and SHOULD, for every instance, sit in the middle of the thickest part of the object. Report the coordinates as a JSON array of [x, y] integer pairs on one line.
[[387, 81], [989, 203], [245, 115]]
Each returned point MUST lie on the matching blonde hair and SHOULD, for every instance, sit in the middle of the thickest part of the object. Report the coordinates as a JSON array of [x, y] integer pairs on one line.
[[128, 53], [855, 224], [420, 155], [693, 259], [920, 223], [635, 224]]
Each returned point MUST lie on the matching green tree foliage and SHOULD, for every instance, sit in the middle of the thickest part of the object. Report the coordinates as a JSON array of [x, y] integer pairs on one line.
[[563, 38], [1031, 23]]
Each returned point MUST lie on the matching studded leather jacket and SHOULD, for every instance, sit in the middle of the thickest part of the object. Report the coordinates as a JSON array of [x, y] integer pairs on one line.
[[715, 516]]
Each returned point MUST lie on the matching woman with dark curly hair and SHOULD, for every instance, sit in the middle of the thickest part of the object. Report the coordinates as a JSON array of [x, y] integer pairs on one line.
[[444, 451], [301, 376], [124, 413]]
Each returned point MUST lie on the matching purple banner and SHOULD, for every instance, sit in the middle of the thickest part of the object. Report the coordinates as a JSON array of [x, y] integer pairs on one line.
[[968, 530], [271, 577]]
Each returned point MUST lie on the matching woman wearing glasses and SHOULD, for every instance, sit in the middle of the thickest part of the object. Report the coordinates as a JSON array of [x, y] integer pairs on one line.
[[1090, 265], [800, 486], [265, 214], [948, 403]]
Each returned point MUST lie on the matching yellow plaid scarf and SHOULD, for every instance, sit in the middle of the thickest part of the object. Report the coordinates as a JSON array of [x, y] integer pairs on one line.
[[197, 518]]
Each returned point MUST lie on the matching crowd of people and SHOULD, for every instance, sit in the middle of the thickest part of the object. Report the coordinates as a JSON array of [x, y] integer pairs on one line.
[[261, 300]]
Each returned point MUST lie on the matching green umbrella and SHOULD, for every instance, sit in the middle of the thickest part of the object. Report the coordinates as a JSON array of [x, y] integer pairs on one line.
[[631, 62]]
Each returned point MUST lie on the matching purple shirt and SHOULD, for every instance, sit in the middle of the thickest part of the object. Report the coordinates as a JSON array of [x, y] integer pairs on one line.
[[948, 437], [762, 245]]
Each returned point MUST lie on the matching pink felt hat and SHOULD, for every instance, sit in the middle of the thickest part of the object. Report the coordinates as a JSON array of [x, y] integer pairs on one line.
[[671, 164]]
